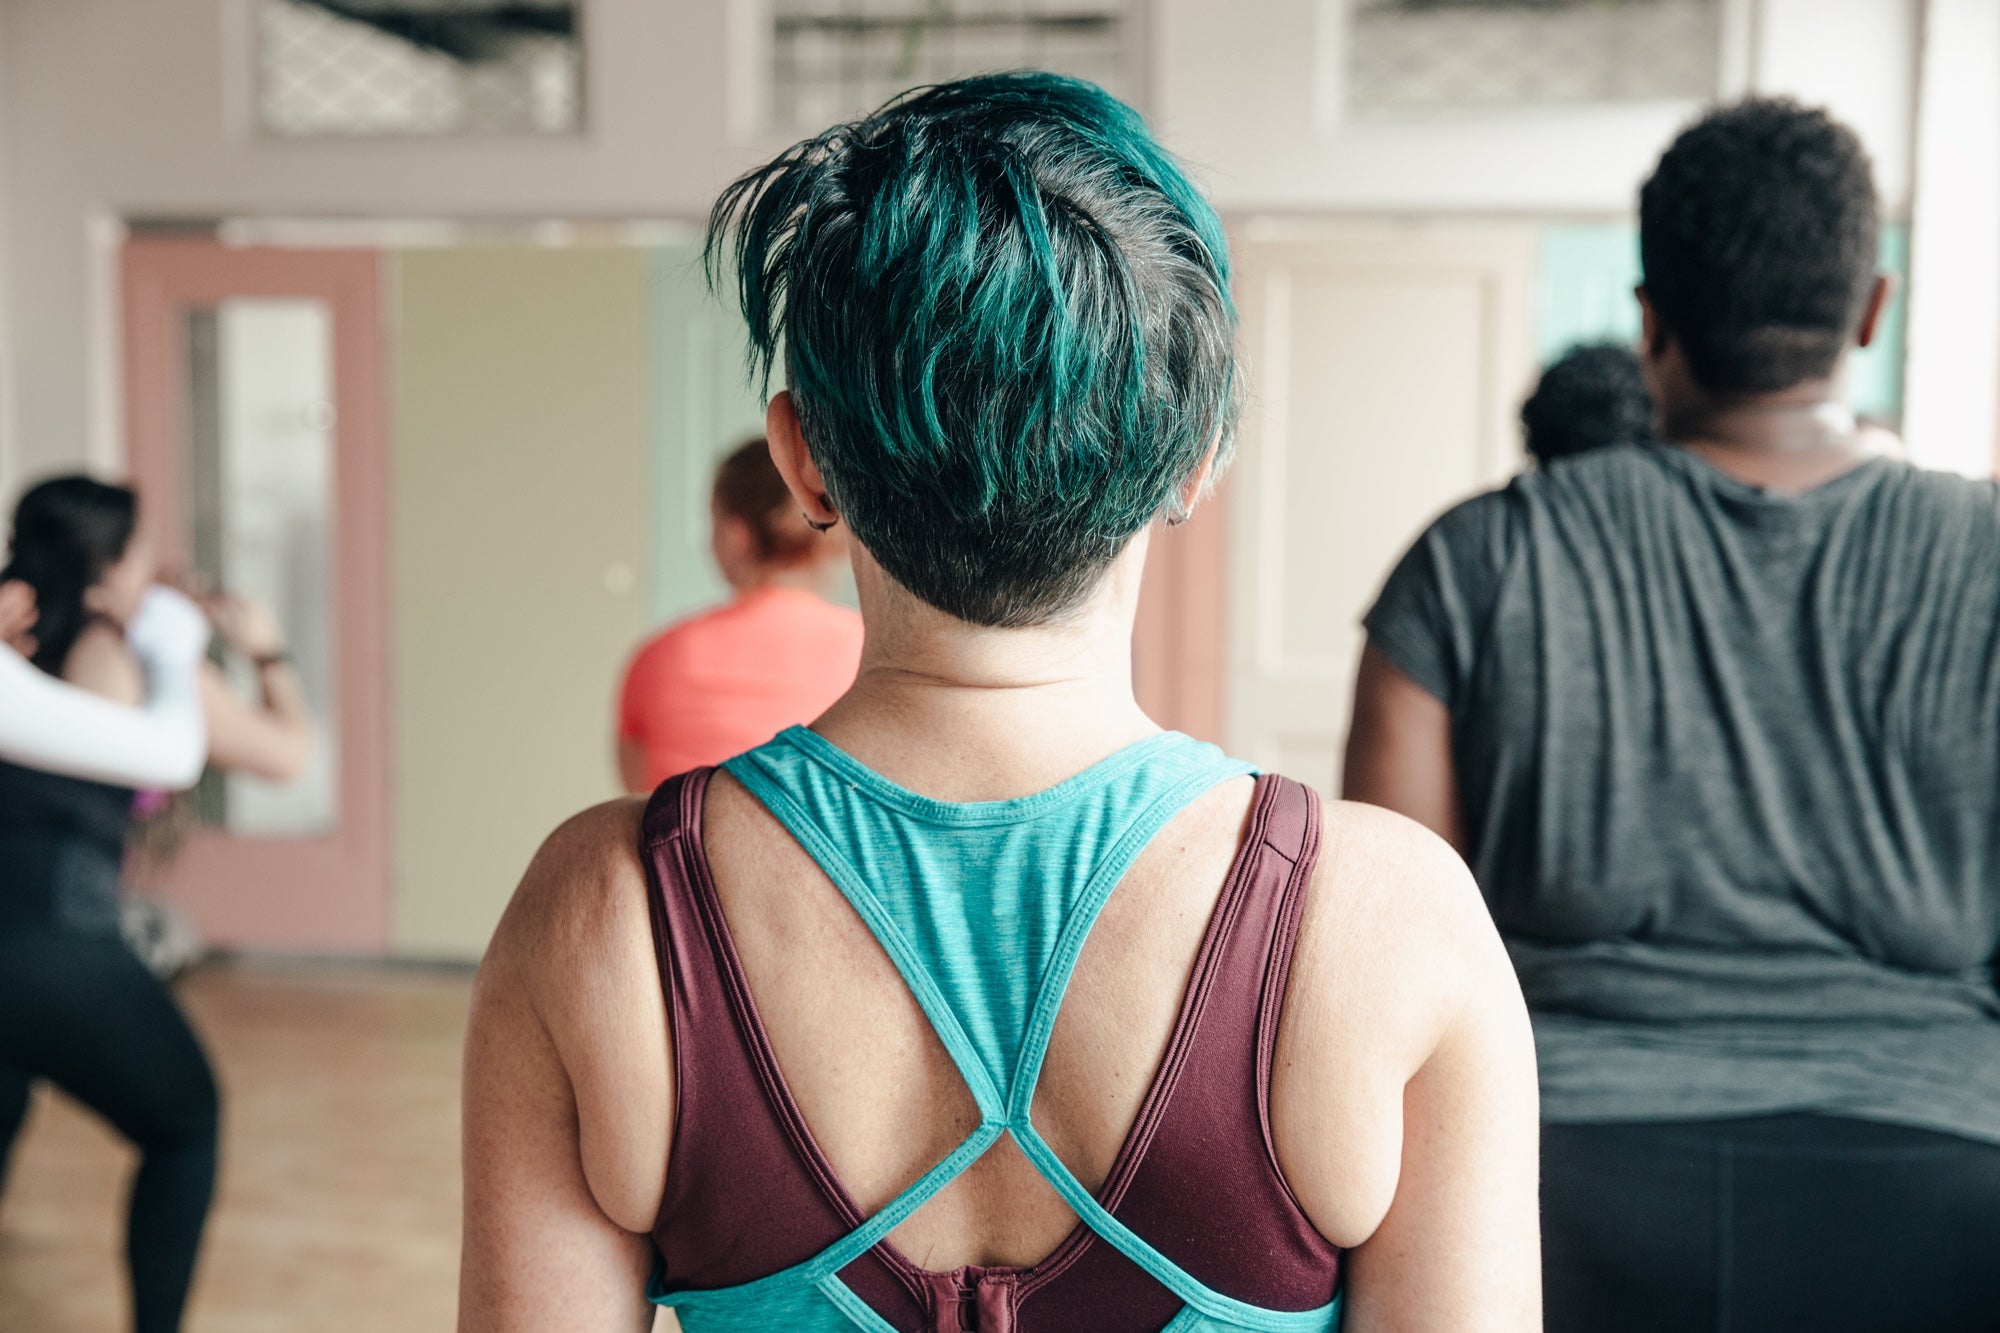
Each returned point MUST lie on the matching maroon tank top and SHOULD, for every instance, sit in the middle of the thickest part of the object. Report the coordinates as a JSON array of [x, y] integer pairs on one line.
[[749, 1193]]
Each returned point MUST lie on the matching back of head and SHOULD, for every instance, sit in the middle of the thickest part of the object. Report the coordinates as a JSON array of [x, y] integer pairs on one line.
[[1593, 395], [67, 532], [748, 488], [1006, 326], [1758, 233]]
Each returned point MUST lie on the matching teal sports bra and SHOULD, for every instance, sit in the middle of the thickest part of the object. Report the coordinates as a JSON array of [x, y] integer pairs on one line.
[[983, 908]]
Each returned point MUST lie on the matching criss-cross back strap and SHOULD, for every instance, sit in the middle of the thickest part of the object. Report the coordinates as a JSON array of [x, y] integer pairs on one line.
[[1026, 878], [1303, 807], [801, 786]]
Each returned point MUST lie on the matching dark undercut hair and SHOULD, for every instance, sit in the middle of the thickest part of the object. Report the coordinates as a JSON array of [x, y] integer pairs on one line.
[[1758, 233], [1003, 312]]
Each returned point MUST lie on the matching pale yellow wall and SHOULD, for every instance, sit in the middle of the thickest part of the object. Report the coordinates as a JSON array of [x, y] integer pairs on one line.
[[520, 438]]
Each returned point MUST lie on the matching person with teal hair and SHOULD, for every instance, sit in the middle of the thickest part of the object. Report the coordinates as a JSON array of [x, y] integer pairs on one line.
[[984, 1002]]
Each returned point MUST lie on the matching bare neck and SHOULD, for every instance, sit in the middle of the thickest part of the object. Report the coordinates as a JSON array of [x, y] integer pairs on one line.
[[1788, 441], [808, 577], [964, 712]]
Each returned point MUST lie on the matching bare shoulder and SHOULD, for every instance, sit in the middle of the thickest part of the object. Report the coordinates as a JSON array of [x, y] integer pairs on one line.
[[101, 662], [1392, 891], [1407, 1123], [1362, 838], [1395, 928], [580, 905], [573, 960], [1395, 947], [584, 880], [575, 943]]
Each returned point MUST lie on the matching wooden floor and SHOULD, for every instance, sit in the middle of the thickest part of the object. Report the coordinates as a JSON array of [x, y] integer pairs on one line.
[[338, 1203]]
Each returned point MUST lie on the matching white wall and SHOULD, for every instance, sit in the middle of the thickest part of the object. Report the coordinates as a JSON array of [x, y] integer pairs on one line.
[[122, 109], [111, 108], [9, 479], [1953, 400], [1856, 57], [1249, 94]]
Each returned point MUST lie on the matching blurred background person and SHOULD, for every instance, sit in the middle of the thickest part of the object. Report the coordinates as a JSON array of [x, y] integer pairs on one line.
[[1715, 724], [778, 653], [48, 724], [1592, 395], [76, 1007]]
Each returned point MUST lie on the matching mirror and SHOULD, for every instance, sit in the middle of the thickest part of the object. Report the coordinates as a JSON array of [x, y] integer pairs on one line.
[[260, 431]]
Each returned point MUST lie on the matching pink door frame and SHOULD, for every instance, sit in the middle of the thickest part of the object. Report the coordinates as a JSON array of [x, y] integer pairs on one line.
[[327, 894], [1177, 642]]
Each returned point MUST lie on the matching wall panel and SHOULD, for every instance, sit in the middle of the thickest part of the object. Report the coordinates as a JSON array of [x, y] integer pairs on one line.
[[520, 440]]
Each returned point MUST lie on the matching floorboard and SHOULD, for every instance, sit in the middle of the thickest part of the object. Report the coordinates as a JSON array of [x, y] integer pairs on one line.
[[338, 1203]]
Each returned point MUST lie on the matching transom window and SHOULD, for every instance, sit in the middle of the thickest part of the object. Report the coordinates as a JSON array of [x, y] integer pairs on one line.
[[1418, 55], [363, 68], [833, 60]]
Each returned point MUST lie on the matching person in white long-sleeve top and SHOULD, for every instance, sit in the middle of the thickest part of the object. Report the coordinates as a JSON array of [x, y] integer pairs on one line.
[[49, 724], [77, 1006]]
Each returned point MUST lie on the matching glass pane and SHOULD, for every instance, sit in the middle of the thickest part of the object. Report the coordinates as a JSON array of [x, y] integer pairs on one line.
[[834, 59], [1407, 56], [260, 375]]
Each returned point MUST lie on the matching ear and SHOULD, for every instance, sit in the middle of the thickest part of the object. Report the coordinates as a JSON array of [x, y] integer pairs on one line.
[[1879, 297], [1195, 489], [794, 461], [1652, 331]]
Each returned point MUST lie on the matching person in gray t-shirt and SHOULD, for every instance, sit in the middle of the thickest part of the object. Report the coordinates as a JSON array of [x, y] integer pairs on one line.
[[1717, 724]]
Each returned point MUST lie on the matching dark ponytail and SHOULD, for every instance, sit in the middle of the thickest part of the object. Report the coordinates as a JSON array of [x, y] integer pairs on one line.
[[67, 532], [749, 487]]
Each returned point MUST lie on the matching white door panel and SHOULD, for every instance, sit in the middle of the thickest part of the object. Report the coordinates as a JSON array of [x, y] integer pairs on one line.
[[1386, 365]]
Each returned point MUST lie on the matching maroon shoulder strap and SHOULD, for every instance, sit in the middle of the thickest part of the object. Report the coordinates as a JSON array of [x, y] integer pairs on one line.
[[1206, 1189], [745, 1195], [738, 1204]]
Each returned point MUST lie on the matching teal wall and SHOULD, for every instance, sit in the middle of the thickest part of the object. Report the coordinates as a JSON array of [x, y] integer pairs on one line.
[[702, 407], [1588, 271]]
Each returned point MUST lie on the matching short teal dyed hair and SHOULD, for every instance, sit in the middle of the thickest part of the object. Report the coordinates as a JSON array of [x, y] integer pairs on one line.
[[1005, 320]]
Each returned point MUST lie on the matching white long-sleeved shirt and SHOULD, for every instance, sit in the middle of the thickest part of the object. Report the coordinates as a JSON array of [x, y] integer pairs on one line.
[[47, 724]]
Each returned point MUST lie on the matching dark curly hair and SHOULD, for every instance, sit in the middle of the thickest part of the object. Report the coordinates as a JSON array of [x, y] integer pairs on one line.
[[1758, 232], [1594, 394], [748, 487]]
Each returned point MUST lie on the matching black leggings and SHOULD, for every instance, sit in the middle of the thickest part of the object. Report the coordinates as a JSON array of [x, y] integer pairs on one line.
[[1768, 1225], [82, 1012]]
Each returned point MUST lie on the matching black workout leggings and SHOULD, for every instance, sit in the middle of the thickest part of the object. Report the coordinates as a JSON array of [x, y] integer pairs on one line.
[[1778, 1224], [82, 1012]]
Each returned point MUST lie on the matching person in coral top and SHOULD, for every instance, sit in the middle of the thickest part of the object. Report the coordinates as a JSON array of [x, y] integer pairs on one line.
[[777, 653]]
